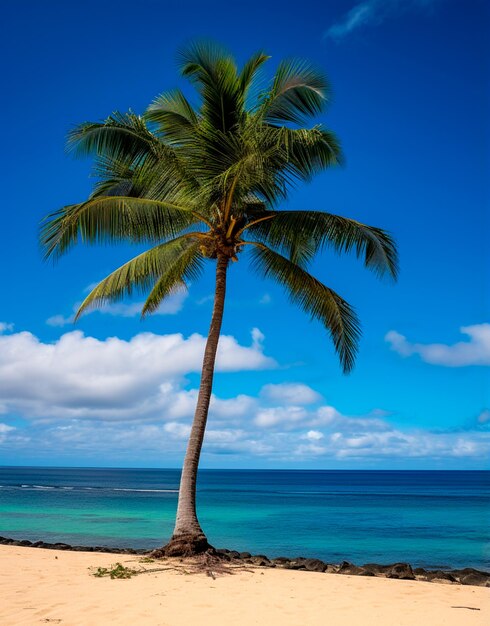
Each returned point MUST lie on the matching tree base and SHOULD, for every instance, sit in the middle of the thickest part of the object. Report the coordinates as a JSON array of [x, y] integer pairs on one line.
[[184, 545]]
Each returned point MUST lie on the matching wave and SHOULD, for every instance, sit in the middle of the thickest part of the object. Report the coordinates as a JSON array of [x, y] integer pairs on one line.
[[149, 490], [83, 488]]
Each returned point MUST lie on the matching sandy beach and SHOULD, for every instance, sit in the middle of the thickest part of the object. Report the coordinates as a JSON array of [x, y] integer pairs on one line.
[[47, 586]]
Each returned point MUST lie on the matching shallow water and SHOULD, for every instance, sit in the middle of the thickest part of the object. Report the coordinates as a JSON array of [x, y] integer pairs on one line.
[[429, 518]]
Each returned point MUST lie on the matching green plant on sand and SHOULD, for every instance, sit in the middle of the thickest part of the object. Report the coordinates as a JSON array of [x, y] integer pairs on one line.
[[114, 571], [202, 184]]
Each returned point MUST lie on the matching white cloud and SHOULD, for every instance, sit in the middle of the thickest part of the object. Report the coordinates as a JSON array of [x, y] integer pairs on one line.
[[416, 444], [476, 351], [178, 430], [59, 320], [291, 393], [281, 415], [5, 326], [257, 338], [313, 435], [374, 12], [5, 429], [83, 377]]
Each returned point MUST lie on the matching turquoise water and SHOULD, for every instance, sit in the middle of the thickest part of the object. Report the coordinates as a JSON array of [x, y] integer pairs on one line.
[[431, 519]]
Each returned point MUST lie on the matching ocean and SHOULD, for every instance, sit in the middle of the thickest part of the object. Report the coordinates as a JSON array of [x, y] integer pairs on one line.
[[436, 519]]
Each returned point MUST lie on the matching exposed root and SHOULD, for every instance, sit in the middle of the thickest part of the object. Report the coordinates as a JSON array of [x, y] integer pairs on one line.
[[210, 563], [184, 546]]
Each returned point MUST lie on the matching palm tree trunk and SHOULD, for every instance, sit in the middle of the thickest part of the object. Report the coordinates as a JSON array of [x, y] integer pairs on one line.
[[188, 536]]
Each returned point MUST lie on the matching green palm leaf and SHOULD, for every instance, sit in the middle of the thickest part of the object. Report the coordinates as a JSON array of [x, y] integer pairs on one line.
[[312, 230], [298, 92], [177, 260], [175, 117], [120, 135], [108, 219], [321, 302]]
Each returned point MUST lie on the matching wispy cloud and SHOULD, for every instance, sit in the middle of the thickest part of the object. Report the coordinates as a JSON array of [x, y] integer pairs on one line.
[[374, 12], [170, 306], [476, 351], [484, 417]]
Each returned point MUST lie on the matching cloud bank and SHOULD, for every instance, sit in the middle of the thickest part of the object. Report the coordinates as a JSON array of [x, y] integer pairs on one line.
[[130, 400], [83, 377]]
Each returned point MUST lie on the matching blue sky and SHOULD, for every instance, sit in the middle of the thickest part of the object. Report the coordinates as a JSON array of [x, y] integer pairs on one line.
[[410, 81]]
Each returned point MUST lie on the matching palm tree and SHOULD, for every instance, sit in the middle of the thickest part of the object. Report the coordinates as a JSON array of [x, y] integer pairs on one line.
[[203, 183]]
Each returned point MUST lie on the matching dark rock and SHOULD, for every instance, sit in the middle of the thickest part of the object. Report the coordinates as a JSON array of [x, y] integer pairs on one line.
[[223, 554], [281, 561], [469, 570], [234, 554], [401, 571], [314, 565], [25, 542], [420, 571], [373, 569], [478, 580], [37, 544], [61, 546], [245, 555], [349, 569], [439, 574]]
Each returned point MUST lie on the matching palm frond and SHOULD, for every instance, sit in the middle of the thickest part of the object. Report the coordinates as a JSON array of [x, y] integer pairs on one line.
[[120, 135], [298, 92], [309, 151], [108, 219], [175, 117], [316, 229], [214, 72], [315, 298], [185, 268], [249, 71], [178, 258]]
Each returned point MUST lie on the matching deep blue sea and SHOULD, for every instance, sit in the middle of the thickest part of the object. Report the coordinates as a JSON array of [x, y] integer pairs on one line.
[[428, 518]]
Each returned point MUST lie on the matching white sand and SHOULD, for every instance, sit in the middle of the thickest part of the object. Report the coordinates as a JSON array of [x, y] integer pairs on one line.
[[55, 587]]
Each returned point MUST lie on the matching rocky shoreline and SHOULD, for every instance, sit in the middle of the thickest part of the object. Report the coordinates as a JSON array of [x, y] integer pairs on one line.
[[402, 571]]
